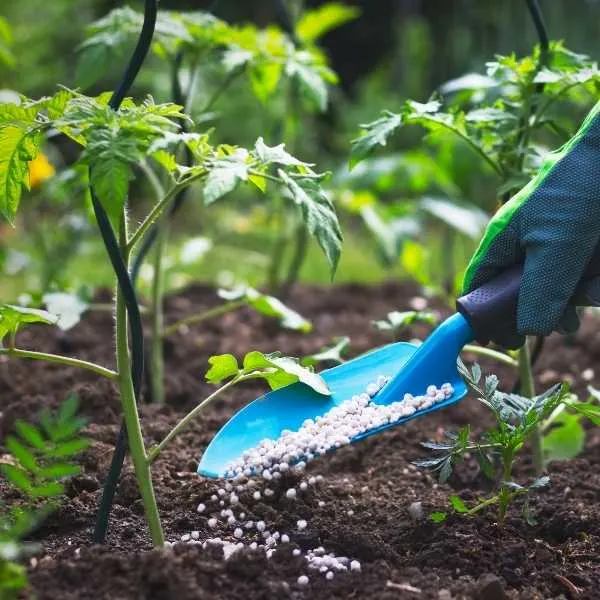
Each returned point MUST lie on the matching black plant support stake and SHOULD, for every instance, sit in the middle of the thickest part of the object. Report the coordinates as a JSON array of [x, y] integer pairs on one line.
[[124, 280]]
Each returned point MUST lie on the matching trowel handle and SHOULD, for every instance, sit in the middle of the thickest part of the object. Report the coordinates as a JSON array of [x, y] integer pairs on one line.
[[493, 306]]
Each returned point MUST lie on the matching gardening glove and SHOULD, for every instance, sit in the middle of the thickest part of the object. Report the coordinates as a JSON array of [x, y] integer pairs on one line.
[[552, 227]]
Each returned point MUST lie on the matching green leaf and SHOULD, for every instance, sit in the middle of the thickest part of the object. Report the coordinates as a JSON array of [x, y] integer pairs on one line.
[[68, 409], [47, 490], [331, 354], [319, 215], [30, 434], [310, 81], [17, 477], [484, 463], [71, 448], [438, 516], [18, 145], [273, 307], [264, 79], [565, 439], [375, 134], [22, 454], [396, 320], [464, 218], [458, 504], [224, 175], [276, 154], [59, 471], [280, 371], [222, 366], [314, 24], [12, 317], [109, 155]]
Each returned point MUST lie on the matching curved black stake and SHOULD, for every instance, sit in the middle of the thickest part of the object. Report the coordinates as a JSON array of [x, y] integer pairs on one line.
[[124, 280]]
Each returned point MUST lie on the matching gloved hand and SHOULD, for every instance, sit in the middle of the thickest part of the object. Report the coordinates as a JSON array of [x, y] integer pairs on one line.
[[552, 226]]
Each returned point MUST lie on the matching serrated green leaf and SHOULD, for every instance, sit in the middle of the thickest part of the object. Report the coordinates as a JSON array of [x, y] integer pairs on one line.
[[375, 134], [224, 176], [319, 215], [30, 434], [276, 154], [222, 366], [18, 145]]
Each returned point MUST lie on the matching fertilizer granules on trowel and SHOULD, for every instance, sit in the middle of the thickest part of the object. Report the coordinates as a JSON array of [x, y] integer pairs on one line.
[[261, 473]]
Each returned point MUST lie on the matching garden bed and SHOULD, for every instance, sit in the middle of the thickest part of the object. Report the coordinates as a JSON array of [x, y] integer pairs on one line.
[[374, 480]]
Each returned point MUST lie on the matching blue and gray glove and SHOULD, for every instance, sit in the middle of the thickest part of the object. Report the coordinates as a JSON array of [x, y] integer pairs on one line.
[[552, 227]]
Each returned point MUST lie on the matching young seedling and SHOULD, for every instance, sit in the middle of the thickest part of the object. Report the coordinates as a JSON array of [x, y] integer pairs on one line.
[[497, 449], [39, 461]]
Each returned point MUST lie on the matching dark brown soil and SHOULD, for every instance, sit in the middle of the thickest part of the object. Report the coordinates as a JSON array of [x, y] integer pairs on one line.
[[401, 558]]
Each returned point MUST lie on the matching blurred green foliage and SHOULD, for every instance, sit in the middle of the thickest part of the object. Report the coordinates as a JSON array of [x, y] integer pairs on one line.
[[401, 209]]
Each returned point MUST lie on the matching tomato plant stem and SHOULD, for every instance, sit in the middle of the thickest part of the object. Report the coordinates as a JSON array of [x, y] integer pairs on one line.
[[154, 452], [130, 412], [528, 390], [205, 316], [61, 360], [159, 208], [489, 353]]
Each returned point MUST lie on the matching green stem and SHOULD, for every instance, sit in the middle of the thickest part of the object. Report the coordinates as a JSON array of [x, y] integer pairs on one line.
[[483, 505], [157, 364], [279, 246], [205, 316], [528, 390], [60, 360], [187, 419], [298, 259], [222, 87], [489, 353], [159, 208], [130, 412]]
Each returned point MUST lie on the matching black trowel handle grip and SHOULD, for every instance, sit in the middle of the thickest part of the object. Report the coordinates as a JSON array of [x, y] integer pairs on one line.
[[492, 308]]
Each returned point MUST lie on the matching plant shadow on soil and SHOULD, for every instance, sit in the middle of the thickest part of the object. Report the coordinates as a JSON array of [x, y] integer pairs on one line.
[[462, 558]]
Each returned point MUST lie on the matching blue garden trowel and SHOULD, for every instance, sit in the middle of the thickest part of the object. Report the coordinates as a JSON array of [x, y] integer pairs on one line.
[[481, 314]]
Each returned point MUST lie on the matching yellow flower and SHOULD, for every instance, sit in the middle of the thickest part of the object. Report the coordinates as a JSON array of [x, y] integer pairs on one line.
[[40, 169]]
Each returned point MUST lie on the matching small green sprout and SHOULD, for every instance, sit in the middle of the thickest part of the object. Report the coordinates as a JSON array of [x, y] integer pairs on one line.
[[40, 460], [497, 448]]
